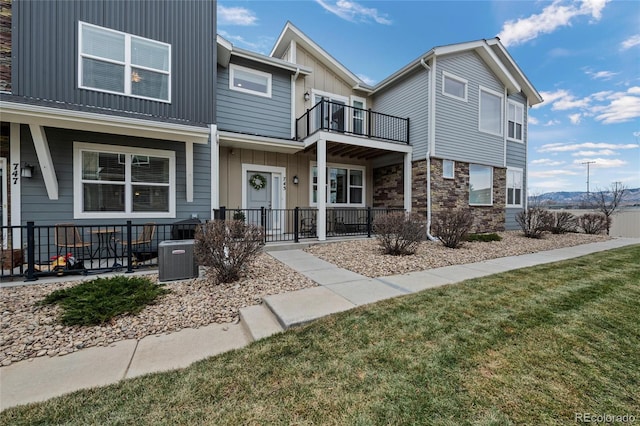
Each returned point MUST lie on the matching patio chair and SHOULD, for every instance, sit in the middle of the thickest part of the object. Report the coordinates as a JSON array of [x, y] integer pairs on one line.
[[67, 238], [308, 226], [142, 244]]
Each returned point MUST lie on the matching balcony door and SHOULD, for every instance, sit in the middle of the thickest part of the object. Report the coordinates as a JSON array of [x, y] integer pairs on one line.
[[332, 115]]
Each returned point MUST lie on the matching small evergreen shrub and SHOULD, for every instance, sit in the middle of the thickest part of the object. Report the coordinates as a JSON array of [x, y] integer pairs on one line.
[[227, 248], [593, 223], [533, 221], [98, 301], [562, 222], [399, 234], [452, 227], [485, 238]]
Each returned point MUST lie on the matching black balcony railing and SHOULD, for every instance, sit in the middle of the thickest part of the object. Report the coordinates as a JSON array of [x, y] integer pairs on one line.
[[337, 117]]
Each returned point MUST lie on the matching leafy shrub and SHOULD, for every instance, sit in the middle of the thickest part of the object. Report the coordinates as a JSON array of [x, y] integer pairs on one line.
[[452, 227], [562, 222], [98, 301], [227, 247], [594, 223], [485, 238], [533, 221], [239, 215], [399, 233]]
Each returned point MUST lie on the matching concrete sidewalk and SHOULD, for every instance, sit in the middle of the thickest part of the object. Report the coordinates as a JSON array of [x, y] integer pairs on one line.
[[338, 290]]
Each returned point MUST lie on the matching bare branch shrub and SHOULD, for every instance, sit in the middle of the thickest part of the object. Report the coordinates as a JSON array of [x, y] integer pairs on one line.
[[533, 221], [227, 247], [452, 227], [607, 201], [562, 222], [399, 233], [594, 223]]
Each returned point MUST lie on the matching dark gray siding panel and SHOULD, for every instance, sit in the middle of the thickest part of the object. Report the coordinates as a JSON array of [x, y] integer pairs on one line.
[[517, 157], [37, 207], [409, 99], [457, 134], [45, 55], [259, 115]]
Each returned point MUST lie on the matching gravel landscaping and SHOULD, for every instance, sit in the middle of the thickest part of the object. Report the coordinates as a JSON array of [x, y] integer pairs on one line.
[[365, 257], [28, 330]]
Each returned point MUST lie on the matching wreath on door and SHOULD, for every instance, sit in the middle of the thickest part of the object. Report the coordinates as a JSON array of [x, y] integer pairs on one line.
[[257, 181]]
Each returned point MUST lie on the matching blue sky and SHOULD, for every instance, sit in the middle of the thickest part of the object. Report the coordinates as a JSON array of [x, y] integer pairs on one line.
[[582, 56]]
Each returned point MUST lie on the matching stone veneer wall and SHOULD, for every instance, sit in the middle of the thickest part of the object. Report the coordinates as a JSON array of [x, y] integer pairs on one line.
[[5, 45], [447, 194], [388, 187]]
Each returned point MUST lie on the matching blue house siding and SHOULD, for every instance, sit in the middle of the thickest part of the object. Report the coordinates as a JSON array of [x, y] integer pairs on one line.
[[45, 53], [409, 99], [253, 114], [457, 122], [36, 206], [517, 157]]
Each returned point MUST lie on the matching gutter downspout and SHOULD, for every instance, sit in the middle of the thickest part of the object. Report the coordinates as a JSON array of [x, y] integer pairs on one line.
[[294, 79], [428, 155]]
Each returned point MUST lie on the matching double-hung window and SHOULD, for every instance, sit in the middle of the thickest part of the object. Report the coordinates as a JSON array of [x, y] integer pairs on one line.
[[514, 187], [115, 62], [515, 120], [453, 86], [345, 185], [250, 81], [480, 185], [490, 111], [123, 182]]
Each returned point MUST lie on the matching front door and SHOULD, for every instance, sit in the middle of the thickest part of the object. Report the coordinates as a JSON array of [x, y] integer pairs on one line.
[[259, 194]]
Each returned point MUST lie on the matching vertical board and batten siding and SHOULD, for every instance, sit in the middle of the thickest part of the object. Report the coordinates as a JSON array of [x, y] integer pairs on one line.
[[45, 54], [409, 99], [517, 157], [253, 114], [457, 122], [36, 205]]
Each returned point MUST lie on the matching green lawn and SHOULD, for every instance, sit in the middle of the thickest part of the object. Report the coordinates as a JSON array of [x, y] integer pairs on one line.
[[533, 346]]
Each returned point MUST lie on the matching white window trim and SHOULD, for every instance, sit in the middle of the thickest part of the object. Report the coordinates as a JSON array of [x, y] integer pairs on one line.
[[446, 75], [78, 213], [349, 167], [501, 96], [521, 171], [490, 179], [522, 121], [232, 71], [453, 170], [127, 64]]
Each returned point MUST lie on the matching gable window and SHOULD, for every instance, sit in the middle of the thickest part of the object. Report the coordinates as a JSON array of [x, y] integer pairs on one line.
[[515, 119], [514, 187], [249, 81], [480, 185], [345, 185], [490, 111], [123, 182], [453, 86], [447, 169], [115, 62]]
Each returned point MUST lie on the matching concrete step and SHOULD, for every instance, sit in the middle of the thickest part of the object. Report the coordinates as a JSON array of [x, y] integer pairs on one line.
[[259, 322]]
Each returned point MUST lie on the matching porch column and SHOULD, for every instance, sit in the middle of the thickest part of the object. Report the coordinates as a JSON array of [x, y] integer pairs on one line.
[[321, 157], [16, 184], [215, 168], [407, 181]]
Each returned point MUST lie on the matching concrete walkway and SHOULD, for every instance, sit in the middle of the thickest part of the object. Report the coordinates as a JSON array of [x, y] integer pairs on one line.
[[338, 290]]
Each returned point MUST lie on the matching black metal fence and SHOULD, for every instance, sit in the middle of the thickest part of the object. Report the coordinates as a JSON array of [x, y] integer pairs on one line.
[[338, 117]]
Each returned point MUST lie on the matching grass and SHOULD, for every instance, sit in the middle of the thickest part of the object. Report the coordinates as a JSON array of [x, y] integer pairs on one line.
[[533, 346], [97, 301]]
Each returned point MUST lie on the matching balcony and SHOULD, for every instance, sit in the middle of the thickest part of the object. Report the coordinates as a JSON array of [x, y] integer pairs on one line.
[[337, 117]]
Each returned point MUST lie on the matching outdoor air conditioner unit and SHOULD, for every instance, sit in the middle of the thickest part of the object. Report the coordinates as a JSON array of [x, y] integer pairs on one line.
[[176, 260]]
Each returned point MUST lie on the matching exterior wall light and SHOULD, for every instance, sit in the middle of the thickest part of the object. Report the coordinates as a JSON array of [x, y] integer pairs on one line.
[[26, 171], [296, 180], [307, 96]]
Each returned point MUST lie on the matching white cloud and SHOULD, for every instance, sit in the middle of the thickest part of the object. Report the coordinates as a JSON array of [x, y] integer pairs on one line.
[[262, 45], [354, 12], [602, 75], [551, 123], [557, 14], [630, 42], [562, 147], [235, 16], [594, 153], [540, 187], [551, 173], [601, 163], [624, 106], [575, 118], [532, 120], [367, 80], [547, 162]]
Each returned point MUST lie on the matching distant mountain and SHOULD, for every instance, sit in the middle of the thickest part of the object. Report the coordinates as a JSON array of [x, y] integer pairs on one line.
[[577, 198]]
